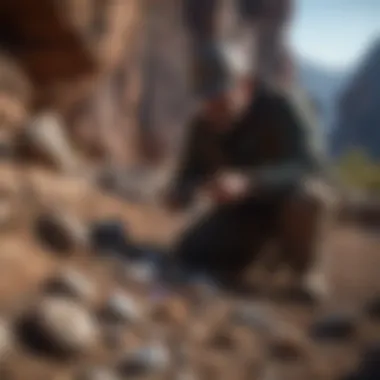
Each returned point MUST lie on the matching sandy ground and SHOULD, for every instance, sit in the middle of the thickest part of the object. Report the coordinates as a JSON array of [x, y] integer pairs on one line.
[[351, 266]]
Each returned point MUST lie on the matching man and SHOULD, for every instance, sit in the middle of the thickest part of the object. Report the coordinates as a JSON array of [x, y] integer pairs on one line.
[[253, 158], [254, 168]]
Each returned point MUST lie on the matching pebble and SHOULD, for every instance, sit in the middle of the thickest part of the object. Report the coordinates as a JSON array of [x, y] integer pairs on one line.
[[58, 327], [334, 327], [113, 336], [60, 232], [287, 343], [170, 309], [5, 339], [122, 308], [372, 309], [97, 373], [254, 316], [186, 374], [72, 284], [46, 137], [149, 359], [110, 237], [6, 212], [223, 340], [141, 272]]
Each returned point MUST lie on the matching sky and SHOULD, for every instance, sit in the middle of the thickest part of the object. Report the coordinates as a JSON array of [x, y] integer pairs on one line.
[[335, 33]]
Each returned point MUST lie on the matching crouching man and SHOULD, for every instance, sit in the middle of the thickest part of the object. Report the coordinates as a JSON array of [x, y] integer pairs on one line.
[[254, 158]]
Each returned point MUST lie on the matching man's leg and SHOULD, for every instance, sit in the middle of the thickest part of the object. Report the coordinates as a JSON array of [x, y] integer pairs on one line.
[[225, 242], [300, 222]]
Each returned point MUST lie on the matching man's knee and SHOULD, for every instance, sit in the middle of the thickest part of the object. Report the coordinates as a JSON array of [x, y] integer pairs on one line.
[[301, 215], [300, 226]]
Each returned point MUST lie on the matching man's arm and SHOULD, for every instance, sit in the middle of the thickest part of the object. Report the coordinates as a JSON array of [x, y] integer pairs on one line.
[[306, 156]]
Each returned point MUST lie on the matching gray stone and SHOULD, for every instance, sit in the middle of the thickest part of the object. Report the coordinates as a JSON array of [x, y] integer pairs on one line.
[[149, 359], [113, 336], [143, 272], [121, 308], [5, 339], [335, 327], [254, 316], [46, 138], [72, 284], [59, 326], [97, 373], [60, 232]]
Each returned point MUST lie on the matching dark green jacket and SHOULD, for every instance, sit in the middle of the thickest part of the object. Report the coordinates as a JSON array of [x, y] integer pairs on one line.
[[274, 141]]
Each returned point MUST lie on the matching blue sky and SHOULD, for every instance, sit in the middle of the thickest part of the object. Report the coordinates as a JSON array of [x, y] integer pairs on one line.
[[335, 33]]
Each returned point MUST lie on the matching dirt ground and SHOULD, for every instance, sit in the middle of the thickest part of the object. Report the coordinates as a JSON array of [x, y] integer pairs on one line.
[[351, 266]]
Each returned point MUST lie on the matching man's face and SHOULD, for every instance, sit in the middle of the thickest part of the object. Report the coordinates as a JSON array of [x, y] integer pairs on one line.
[[222, 110], [218, 112]]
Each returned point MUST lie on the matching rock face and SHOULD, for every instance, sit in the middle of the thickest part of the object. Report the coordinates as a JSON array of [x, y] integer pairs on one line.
[[84, 66], [116, 70], [359, 116]]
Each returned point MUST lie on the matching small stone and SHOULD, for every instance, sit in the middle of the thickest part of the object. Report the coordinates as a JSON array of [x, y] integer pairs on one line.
[[58, 327], [121, 308], [223, 340], [110, 237], [186, 374], [254, 316], [72, 284], [113, 336], [373, 308], [150, 359], [170, 310], [45, 139], [285, 350], [334, 327], [97, 373], [5, 339], [6, 212], [60, 232], [141, 272]]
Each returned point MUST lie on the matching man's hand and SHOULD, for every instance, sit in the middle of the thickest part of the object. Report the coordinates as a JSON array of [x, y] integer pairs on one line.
[[228, 187]]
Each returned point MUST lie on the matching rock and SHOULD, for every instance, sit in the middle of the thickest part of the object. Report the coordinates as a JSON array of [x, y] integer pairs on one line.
[[287, 343], [5, 339], [201, 290], [58, 327], [7, 149], [113, 336], [223, 340], [72, 284], [60, 232], [7, 211], [186, 374], [170, 309], [254, 316], [97, 373], [285, 350], [121, 308], [110, 237], [335, 327], [372, 309], [141, 272], [45, 139], [150, 359]]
